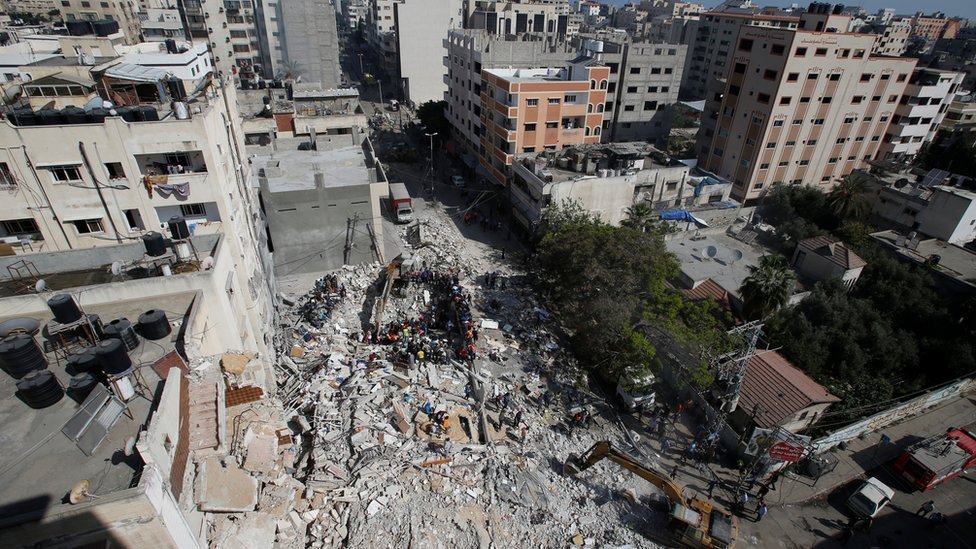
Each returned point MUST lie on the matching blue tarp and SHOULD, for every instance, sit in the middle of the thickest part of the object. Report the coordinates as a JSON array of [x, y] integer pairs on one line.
[[677, 215], [705, 181]]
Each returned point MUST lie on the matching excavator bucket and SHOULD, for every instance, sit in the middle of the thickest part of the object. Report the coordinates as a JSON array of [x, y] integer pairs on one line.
[[571, 465]]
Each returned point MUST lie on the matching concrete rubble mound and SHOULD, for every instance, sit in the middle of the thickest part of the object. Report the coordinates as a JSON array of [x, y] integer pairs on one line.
[[424, 403]]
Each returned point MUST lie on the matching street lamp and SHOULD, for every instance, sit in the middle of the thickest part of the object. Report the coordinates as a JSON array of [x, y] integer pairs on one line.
[[361, 71], [380, 82], [431, 136]]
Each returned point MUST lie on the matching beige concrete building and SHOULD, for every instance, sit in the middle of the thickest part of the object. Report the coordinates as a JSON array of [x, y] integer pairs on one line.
[[529, 110], [822, 258], [518, 17], [33, 7], [800, 106], [935, 26], [123, 13], [892, 36]]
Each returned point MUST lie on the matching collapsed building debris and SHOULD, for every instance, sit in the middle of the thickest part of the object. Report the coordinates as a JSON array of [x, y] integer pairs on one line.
[[424, 403]]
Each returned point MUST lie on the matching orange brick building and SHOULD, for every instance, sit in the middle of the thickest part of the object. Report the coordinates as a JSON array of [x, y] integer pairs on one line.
[[528, 110]]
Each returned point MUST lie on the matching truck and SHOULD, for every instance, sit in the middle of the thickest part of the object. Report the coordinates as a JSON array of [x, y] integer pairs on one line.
[[693, 522], [400, 203], [636, 391]]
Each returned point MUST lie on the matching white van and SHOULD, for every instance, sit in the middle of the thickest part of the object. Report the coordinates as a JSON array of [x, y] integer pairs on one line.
[[870, 498]]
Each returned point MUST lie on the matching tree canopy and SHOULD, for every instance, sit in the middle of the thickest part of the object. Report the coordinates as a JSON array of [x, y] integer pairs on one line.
[[431, 115], [768, 286]]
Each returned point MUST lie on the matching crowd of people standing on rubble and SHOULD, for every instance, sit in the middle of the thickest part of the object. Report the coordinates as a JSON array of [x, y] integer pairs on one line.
[[443, 330], [322, 299]]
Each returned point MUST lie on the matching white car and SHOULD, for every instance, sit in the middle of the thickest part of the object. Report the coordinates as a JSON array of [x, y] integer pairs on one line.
[[870, 498], [457, 181]]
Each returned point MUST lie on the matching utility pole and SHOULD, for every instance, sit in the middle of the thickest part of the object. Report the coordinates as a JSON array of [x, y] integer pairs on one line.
[[430, 161], [380, 82]]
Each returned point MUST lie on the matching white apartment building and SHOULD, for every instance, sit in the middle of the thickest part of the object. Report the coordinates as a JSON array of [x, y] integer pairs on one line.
[[919, 113], [506, 18]]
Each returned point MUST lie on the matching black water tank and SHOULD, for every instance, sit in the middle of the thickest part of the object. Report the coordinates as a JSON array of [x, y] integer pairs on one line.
[[40, 389], [112, 356], [78, 28], [177, 90], [81, 386], [74, 115], [96, 325], [149, 114], [171, 46], [129, 114], [178, 229], [20, 354], [121, 329], [155, 244], [64, 308], [82, 362], [50, 117], [98, 115], [105, 28], [153, 324], [23, 117]]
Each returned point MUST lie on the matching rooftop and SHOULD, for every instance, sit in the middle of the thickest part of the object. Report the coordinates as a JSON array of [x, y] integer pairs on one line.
[[561, 166], [779, 388], [297, 170], [954, 261], [834, 251], [38, 463], [529, 75], [942, 453], [728, 267]]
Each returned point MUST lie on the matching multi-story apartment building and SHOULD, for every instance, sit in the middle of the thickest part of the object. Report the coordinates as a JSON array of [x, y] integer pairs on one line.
[[526, 110], [919, 113], [644, 82], [801, 106], [893, 35], [160, 24], [935, 26], [471, 51], [713, 48], [123, 13], [354, 13], [311, 41], [517, 17], [32, 7], [422, 26]]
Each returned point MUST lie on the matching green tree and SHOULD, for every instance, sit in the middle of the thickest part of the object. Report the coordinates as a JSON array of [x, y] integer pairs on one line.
[[768, 286], [640, 216], [849, 198], [431, 115], [563, 214]]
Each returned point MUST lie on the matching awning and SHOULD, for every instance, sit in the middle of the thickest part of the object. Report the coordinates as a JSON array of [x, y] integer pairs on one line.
[[136, 73]]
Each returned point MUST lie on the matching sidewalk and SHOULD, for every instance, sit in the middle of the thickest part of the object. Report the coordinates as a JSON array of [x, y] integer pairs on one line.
[[860, 456]]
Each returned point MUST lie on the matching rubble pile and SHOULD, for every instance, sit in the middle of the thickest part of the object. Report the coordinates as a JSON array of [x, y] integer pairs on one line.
[[429, 404]]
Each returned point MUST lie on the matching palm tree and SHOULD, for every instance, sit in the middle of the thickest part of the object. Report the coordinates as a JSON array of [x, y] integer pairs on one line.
[[768, 286], [290, 70], [848, 200], [640, 216]]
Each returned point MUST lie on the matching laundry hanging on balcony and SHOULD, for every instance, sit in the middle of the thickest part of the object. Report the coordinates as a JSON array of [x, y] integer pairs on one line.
[[180, 189]]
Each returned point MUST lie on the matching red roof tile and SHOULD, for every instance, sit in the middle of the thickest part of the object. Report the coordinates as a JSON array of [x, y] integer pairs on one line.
[[779, 388], [836, 252], [708, 289]]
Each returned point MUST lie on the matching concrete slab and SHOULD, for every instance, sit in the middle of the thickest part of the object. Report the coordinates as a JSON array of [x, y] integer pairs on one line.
[[225, 489]]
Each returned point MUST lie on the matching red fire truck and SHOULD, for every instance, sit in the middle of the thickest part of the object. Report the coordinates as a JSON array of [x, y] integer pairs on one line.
[[936, 459]]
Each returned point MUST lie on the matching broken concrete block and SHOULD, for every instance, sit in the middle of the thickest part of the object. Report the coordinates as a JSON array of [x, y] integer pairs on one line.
[[227, 489], [234, 363], [578, 540], [297, 351], [373, 508]]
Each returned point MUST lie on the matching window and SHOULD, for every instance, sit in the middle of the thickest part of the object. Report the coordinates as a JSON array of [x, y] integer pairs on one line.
[[901, 78], [552, 125], [764, 166], [818, 121], [804, 100], [739, 68], [811, 142], [763, 98], [115, 170], [883, 118], [804, 162], [813, 76], [652, 89], [783, 163], [771, 145], [840, 141], [866, 77], [820, 52], [826, 100], [857, 99], [19, 226], [569, 99], [530, 127], [734, 90], [553, 100], [631, 89], [892, 98], [770, 74], [665, 89], [777, 123], [528, 149], [655, 70], [785, 100], [886, 76], [65, 174], [188, 210], [777, 49], [834, 77], [801, 52], [635, 70], [7, 179], [532, 102], [88, 226], [860, 138], [792, 77], [650, 105], [876, 98], [791, 143], [628, 108], [833, 160]]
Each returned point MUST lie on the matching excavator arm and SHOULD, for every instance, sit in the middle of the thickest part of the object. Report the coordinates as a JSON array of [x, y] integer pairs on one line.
[[604, 449]]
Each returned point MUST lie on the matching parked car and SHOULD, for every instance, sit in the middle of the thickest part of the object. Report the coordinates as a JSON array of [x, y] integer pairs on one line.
[[457, 181], [870, 498]]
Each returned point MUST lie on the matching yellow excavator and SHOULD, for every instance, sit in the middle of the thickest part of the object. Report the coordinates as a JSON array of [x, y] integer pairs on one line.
[[694, 522]]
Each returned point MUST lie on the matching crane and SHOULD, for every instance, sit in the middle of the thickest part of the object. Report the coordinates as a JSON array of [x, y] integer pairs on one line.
[[695, 522]]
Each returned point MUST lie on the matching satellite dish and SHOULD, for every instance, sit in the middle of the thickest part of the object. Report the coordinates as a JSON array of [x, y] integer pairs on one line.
[[116, 268], [207, 263], [94, 103], [736, 255], [79, 492], [711, 251], [40, 285]]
